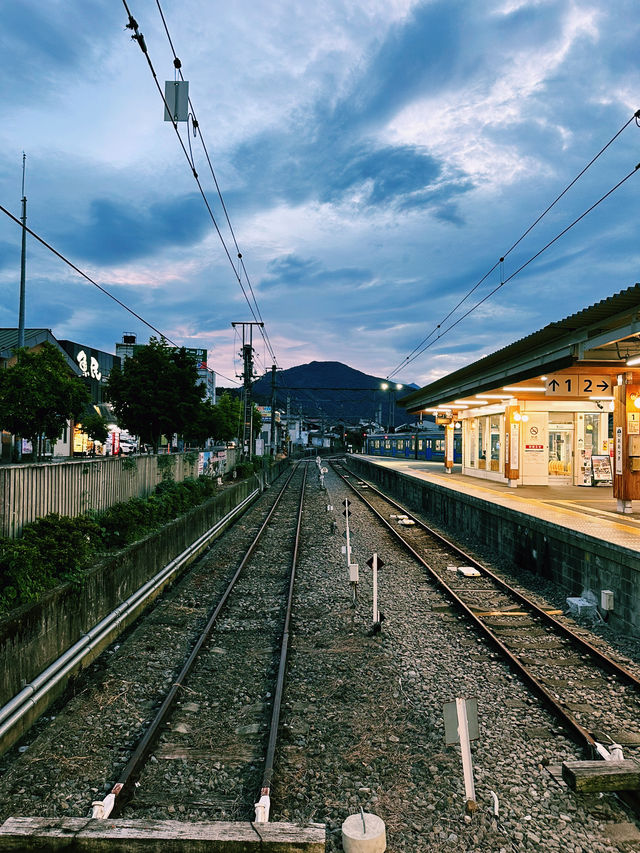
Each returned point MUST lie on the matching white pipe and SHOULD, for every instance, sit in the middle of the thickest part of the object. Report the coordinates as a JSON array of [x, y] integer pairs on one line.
[[103, 808], [496, 806], [262, 809], [43, 683]]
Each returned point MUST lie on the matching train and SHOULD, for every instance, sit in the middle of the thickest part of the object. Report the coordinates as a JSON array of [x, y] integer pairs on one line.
[[425, 444]]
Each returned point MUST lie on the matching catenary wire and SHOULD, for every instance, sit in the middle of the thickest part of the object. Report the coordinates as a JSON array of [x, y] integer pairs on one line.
[[198, 129], [525, 264], [139, 38], [409, 359], [94, 283]]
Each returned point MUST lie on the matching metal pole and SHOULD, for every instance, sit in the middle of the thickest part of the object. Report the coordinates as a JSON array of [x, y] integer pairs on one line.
[[375, 589], [273, 410], [23, 259], [465, 747]]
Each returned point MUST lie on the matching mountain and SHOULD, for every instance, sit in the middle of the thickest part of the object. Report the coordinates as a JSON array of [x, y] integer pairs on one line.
[[332, 391]]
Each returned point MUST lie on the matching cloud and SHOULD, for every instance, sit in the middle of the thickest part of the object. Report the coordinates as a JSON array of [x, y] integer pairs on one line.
[[116, 231]]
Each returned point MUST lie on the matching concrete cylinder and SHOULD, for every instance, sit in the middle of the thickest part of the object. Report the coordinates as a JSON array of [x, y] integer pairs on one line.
[[367, 837]]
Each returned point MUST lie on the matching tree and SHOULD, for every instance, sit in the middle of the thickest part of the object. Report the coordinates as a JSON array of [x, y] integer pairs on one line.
[[155, 392], [39, 394], [95, 427], [221, 420]]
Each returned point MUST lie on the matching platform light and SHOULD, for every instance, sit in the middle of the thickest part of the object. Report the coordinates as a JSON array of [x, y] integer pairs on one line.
[[633, 361], [609, 397], [522, 388], [480, 402], [492, 396]]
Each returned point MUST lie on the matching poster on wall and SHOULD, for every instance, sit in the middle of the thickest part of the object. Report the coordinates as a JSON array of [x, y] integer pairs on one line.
[[601, 470]]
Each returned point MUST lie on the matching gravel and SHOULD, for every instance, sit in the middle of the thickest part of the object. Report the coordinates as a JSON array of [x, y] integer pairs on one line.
[[362, 719]]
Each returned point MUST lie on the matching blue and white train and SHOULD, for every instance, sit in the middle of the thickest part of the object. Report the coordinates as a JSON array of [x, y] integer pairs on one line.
[[425, 444]]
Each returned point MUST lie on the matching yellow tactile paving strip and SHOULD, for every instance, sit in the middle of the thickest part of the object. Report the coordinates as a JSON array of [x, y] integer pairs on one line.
[[572, 512]]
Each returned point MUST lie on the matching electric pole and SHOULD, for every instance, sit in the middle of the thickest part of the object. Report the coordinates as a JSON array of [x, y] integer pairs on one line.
[[247, 377], [273, 410], [23, 258]]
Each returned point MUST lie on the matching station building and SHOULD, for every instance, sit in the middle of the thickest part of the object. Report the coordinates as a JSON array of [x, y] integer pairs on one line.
[[560, 406]]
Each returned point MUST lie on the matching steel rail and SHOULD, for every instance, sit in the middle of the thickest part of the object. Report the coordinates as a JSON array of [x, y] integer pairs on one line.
[[613, 667], [123, 788], [578, 732], [37, 690], [264, 804]]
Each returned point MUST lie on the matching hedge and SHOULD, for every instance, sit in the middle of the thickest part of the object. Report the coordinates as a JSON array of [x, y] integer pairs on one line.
[[57, 549]]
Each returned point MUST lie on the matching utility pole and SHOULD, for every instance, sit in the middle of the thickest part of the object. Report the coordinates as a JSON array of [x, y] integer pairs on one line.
[[23, 258], [247, 377], [273, 410], [288, 424]]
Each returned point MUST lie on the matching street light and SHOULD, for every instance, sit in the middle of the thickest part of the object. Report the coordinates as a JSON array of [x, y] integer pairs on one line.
[[391, 388]]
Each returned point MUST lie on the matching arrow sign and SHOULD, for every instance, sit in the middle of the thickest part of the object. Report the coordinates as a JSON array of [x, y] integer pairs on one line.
[[370, 563], [603, 386], [554, 384]]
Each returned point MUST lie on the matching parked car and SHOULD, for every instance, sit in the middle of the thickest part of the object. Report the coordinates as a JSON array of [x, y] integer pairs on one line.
[[127, 447]]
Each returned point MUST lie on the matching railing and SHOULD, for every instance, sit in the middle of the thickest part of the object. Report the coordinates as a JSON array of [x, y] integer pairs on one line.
[[28, 492]]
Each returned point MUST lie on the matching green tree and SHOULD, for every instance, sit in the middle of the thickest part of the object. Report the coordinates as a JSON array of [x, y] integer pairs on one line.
[[156, 393], [225, 417], [95, 427], [39, 394]]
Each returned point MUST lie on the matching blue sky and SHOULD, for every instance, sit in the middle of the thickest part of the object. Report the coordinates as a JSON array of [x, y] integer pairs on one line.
[[376, 159]]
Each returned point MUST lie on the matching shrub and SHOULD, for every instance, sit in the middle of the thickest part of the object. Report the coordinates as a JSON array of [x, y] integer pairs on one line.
[[56, 548]]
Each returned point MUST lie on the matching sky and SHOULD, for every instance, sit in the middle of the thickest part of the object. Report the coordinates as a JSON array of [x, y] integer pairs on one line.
[[376, 159]]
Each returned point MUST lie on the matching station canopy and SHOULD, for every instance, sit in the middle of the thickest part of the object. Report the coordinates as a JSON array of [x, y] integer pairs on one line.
[[597, 343]]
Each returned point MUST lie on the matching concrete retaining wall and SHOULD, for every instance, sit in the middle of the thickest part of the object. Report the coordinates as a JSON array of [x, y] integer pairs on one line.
[[34, 636], [573, 560]]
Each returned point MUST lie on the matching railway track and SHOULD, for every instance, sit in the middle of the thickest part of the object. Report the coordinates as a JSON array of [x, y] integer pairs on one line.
[[209, 723], [596, 700]]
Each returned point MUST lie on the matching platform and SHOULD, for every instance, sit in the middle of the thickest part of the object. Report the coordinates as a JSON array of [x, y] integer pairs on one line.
[[590, 510]]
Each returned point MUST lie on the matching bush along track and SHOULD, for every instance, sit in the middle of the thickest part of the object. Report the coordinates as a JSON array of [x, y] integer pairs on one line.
[[59, 549]]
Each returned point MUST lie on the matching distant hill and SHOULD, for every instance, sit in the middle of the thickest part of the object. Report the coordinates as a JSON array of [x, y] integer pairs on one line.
[[330, 390]]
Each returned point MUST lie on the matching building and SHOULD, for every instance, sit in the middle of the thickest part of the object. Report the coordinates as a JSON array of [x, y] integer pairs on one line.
[[558, 406], [33, 340], [206, 376]]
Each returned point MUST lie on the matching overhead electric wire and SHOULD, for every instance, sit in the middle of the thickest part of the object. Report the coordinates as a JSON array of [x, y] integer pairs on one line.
[[94, 283], [137, 36], [84, 275], [525, 264], [178, 66], [409, 358]]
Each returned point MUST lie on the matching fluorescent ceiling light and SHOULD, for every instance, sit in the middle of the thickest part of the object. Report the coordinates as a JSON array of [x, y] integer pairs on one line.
[[634, 360], [480, 402], [522, 388], [601, 398], [492, 396]]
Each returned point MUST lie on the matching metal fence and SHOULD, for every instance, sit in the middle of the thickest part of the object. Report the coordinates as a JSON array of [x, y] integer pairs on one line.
[[28, 492]]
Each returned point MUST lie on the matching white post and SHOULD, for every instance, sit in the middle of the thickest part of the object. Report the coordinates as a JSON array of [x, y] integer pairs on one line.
[[465, 746], [375, 589], [348, 543]]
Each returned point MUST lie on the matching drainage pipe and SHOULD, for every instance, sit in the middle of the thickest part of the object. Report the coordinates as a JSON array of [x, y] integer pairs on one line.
[[36, 690]]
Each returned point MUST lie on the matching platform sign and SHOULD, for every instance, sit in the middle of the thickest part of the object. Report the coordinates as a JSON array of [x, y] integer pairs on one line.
[[618, 465], [577, 385], [633, 423]]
